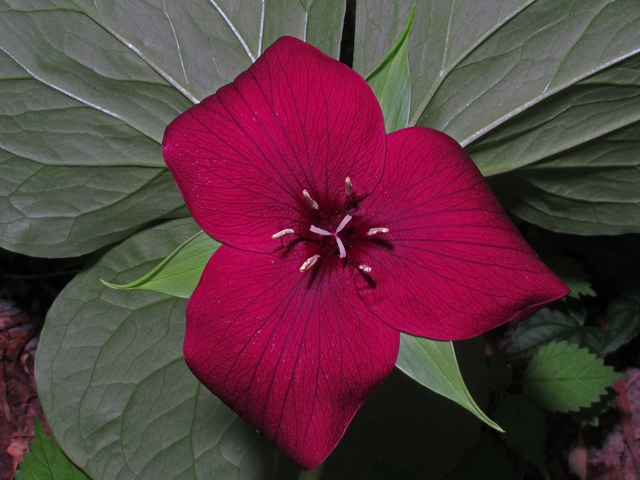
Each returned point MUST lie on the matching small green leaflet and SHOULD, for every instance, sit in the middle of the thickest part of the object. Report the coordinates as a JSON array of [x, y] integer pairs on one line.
[[571, 273], [179, 273], [433, 364], [390, 81], [524, 422], [45, 460], [557, 324], [591, 414], [563, 377]]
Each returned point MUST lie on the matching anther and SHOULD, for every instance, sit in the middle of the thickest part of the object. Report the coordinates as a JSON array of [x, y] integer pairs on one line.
[[282, 233], [349, 186], [311, 201], [309, 262], [343, 223], [375, 231], [365, 268]]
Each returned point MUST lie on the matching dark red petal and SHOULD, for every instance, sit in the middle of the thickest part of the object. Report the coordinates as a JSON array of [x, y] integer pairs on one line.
[[294, 354], [296, 120], [454, 265]]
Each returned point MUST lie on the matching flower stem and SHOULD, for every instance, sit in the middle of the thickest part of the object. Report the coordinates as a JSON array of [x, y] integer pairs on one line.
[[311, 474]]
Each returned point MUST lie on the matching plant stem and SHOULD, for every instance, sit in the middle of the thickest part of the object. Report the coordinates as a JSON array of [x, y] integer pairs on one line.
[[311, 474]]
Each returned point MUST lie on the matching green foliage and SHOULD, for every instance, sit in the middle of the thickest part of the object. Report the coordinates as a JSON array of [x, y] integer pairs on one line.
[[180, 272], [114, 386], [45, 460], [591, 415], [87, 89], [571, 273], [623, 323], [556, 324], [514, 83], [391, 83], [524, 424], [433, 363], [562, 377]]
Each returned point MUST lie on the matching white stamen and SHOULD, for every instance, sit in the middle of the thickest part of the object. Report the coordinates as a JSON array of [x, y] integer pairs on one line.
[[343, 223], [349, 186], [311, 201], [375, 231], [319, 231], [309, 262], [343, 252], [282, 233], [365, 268]]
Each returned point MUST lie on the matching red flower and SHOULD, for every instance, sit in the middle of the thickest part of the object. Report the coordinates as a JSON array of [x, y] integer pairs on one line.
[[337, 238]]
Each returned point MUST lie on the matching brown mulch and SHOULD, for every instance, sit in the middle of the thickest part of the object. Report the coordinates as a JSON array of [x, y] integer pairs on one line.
[[18, 399]]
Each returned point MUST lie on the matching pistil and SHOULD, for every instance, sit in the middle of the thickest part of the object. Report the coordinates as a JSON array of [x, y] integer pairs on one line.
[[365, 268]]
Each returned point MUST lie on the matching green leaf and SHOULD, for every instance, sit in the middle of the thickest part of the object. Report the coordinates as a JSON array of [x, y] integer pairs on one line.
[[86, 91], [623, 323], [591, 415], [45, 460], [114, 385], [390, 81], [562, 322], [180, 272], [524, 424], [524, 83], [571, 273], [562, 377], [433, 363]]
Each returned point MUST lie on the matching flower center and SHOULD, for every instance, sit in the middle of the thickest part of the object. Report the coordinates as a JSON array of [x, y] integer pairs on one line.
[[336, 235]]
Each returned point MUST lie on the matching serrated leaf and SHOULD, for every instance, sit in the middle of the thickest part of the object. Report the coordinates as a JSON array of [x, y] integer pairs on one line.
[[114, 386], [556, 324], [513, 81], [45, 460], [591, 415], [87, 89], [623, 323], [525, 428], [180, 272], [563, 377], [433, 364], [390, 81], [571, 273]]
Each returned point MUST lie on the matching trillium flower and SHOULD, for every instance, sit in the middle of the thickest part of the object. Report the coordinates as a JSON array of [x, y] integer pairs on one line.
[[337, 237]]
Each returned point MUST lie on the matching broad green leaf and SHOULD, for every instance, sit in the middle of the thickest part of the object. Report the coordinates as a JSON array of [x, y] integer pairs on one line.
[[588, 110], [525, 82], [563, 377], [475, 64], [571, 273], [87, 89], [45, 460], [623, 323], [562, 322], [433, 364], [180, 272], [524, 424], [390, 81], [114, 386]]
